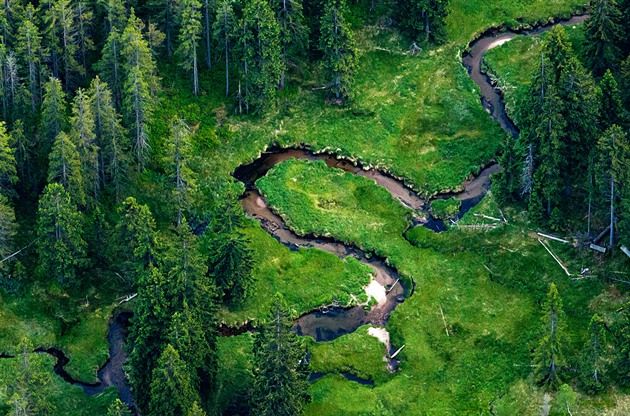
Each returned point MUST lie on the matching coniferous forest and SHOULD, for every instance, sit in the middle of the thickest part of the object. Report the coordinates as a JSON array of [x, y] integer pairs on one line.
[[314, 207]]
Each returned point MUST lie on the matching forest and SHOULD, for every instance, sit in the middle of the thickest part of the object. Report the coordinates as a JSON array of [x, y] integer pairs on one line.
[[314, 207]]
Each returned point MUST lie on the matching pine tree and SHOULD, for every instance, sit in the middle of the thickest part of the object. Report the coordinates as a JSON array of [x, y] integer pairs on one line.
[[8, 170], [110, 138], [60, 242], [595, 358], [611, 107], [262, 53], [548, 357], [225, 27], [293, 33], [424, 17], [280, 372], [135, 233], [54, 118], [28, 46], [147, 337], [604, 33], [613, 150], [83, 135], [172, 392], [339, 49], [118, 408], [189, 37], [65, 168], [139, 85]]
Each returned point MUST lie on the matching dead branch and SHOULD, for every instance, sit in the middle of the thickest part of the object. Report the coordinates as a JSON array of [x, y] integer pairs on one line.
[[444, 320], [551, 237]]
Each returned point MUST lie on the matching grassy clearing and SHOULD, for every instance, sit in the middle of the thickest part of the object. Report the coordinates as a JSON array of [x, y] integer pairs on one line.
[[234, 373], [445, 208], [358, 353], [492, 319], [307, 279], [66, 398], [471, 17]]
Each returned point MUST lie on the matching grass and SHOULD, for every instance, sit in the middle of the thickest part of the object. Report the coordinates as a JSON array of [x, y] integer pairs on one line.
[[492, 319], [66, 398], [357, 353], [445, 208], [234, 373]]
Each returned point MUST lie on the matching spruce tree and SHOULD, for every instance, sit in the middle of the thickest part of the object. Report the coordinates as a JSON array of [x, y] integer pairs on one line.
[[62, 38], [261, 53], [208, 12], [83, 135], [172, 391], [293, 33], [189, 37], [613, 151], [548, 356], [180, 174], [280, 372], [84, 22], [118, 408], [110, 65], [163, 13], [8, 170], [65, 168], [60, 243], [507, 182], [116, 14], [139, 86], [424, 17], [611, 107], [595, 356], [339, 49], [31, 383], [28, 47], [10, 11], [148, 337], [136, 235], [225, 30], [196, 410], [8, 228], [604, 33], [53, 114], [110, 138]]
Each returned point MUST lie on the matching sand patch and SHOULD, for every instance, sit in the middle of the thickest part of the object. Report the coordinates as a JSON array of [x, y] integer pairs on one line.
[[376, 291]]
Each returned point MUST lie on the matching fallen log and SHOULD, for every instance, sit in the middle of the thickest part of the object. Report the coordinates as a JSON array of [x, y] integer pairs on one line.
[[444, 320], [396, 353], [551, 237], [597, 248], [487, 217], [128, 298], [601, 235], [554, 257], [625, 250]]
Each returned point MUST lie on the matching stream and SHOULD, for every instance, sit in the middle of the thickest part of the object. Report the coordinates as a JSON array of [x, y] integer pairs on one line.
[[331, 321]]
